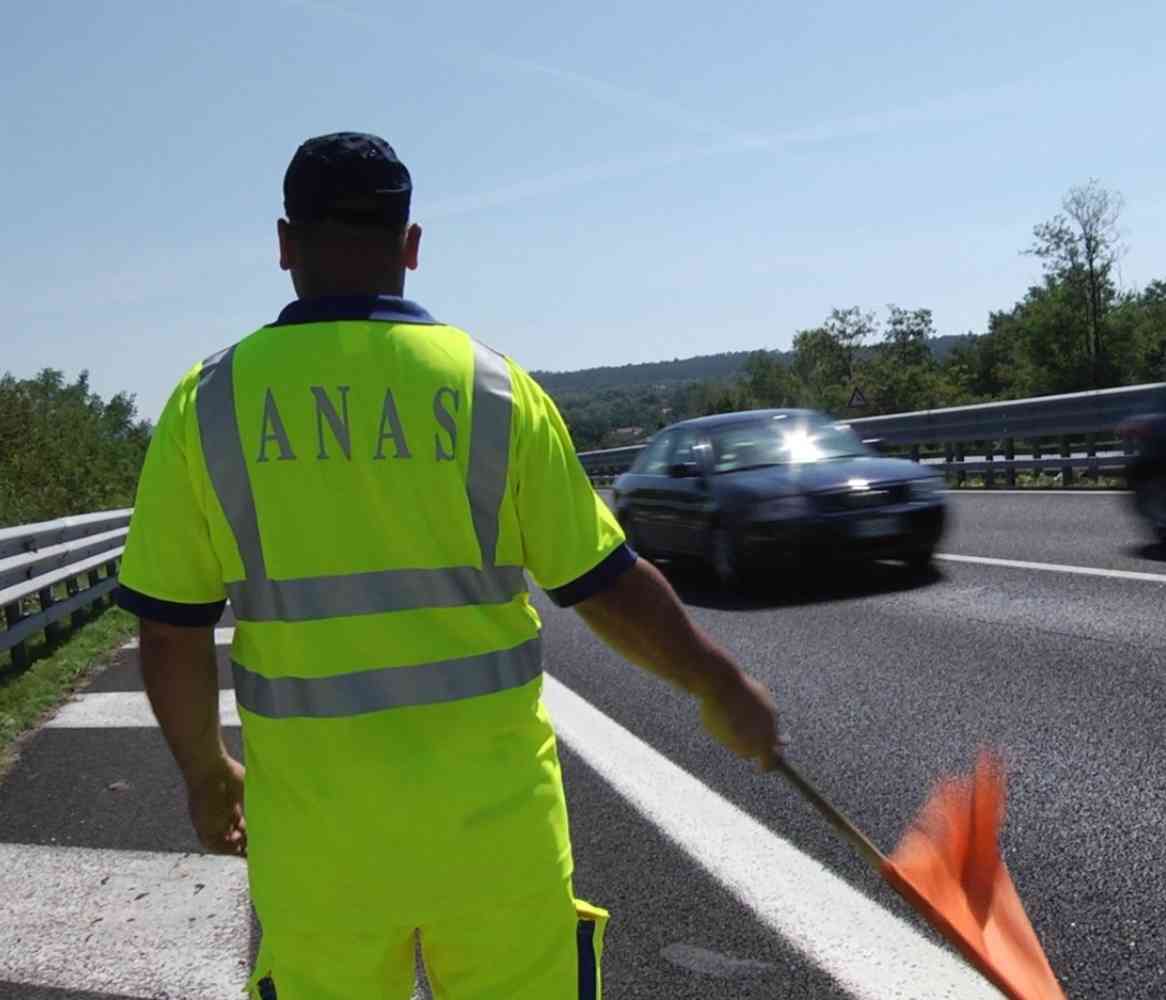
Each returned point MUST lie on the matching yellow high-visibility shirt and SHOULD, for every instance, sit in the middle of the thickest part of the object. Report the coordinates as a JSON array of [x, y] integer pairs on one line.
[[367, 487]]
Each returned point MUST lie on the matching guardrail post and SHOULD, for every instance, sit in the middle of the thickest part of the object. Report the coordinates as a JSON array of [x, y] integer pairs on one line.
[[19, 652], [1010, 456], [53, 630], [989, 456], [961, 476], [93, 578], [1091, 450], [1066, 452], [914, 453], [77, 617]]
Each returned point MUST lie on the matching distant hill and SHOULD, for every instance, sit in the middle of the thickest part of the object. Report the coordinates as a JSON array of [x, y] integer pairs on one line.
[[704, 366]]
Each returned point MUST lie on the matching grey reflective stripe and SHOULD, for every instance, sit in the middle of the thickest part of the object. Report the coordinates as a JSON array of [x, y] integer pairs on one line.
[[222, 448], [489, 445], [387, 687], [313, 598], [259, 598]]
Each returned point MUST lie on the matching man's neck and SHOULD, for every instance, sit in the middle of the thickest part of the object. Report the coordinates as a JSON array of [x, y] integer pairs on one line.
[[335, 286], [348, 291]]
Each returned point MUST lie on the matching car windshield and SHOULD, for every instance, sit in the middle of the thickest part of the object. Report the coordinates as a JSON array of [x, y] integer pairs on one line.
[[781, 441]]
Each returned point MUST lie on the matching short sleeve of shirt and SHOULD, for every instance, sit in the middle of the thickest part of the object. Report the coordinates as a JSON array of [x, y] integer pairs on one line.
[[573, 546], [170, 572]]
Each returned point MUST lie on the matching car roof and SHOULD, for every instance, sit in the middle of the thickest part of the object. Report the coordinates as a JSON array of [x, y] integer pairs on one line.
[[718, 420]]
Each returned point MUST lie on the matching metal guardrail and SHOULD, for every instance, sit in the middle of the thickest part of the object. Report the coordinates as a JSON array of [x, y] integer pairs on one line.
[[1079, 429], [38, 561], [1096, 412]]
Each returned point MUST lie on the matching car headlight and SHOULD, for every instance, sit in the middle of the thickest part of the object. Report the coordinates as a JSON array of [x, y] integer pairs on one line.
[[781, 508], [928, 489]]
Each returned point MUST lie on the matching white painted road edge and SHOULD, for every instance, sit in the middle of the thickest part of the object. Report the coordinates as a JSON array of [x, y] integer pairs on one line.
[[223, 637], [124, 709], [869, 951], [1115, 574]]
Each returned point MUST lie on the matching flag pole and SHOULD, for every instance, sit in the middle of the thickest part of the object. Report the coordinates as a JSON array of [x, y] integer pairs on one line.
[[857, 839]]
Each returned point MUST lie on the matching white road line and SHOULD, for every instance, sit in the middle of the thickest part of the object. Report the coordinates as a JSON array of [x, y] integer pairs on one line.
[[132, 923], [868, 950], [124, 709], [1116, 574], [223, 637]]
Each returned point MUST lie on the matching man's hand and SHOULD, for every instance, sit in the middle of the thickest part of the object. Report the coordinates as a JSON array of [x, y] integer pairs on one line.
[[216, 808], [741, 714]]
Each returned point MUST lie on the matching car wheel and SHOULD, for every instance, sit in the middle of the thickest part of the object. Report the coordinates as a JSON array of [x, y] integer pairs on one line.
[[723, 558], [921, 561], [1150, 497]]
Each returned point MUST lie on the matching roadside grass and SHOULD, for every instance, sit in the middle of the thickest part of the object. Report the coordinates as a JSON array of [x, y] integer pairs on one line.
[[1040, 481], [975, 481], [55, 670]]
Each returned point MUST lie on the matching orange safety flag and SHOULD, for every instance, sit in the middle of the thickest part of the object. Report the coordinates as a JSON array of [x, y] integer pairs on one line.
[[948, 867]]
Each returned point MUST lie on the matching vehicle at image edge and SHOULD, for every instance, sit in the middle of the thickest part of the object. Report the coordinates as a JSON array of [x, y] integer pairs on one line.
[[764, 489], [1146, 472]]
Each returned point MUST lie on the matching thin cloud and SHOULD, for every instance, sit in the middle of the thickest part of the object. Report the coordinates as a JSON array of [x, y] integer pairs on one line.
[[608, 94], [944, 109], [573, 177], [331, 7], [948, 107]]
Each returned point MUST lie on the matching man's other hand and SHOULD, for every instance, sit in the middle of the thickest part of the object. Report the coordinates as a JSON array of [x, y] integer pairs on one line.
[[216, 808]]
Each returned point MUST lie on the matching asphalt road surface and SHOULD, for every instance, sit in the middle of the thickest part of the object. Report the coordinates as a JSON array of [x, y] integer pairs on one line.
[[1042, 635]]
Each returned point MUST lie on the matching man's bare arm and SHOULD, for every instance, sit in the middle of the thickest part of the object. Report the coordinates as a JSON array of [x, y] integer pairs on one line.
[[178, 667], [641, 618]]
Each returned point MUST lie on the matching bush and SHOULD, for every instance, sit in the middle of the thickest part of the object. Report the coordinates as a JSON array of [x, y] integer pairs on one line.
[[64, 450]]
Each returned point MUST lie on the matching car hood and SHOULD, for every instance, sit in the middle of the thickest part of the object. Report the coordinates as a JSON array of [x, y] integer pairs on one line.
[[811, 477]]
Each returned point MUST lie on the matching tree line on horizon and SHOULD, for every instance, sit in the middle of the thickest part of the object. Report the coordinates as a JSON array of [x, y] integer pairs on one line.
[[1074, 330]]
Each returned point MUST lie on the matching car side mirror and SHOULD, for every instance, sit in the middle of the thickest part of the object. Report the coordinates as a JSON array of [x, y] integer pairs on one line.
[[683, 470]]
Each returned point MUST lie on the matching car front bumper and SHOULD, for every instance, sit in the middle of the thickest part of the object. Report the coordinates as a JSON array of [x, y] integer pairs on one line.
[[894, 532]]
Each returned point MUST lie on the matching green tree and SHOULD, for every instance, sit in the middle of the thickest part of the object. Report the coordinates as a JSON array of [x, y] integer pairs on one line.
[[767, 382], [64, 450], [1080, 248], [1138, 324], [826, 359], [850, 329], [903, 374]]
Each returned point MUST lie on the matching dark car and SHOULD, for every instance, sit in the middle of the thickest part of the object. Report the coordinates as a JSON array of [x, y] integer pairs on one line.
[[1146, 473], [751, 491]]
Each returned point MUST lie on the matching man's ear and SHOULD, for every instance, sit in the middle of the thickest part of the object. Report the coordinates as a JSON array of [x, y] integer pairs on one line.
[[411, 251], [287, 245]]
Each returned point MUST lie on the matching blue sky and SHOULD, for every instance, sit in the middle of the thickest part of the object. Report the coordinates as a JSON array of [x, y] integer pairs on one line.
[[599, 183]]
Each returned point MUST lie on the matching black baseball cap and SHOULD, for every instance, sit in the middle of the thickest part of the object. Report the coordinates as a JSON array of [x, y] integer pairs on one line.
[[348, 176]]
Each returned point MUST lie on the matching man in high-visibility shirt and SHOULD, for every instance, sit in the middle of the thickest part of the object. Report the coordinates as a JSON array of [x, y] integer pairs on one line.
[[367, 487]]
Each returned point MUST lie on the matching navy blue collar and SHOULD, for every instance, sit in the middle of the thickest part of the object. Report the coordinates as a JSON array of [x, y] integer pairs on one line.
[[331, 308]]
